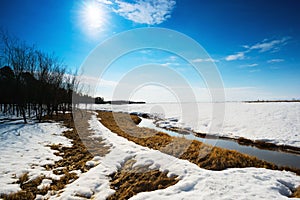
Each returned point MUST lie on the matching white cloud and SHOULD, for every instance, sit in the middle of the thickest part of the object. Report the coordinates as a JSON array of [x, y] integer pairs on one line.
[[275, 60], [266, 45], [200, 60], [149, 12], [237, 56], [249, 65]]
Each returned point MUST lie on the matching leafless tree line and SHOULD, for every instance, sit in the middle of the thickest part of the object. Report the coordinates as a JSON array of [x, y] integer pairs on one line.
[[34, 83]]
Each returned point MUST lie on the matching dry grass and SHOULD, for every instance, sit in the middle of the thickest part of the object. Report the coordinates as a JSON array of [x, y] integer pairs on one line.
[[266, 145], [205, 156], [28, 188], [21, 195], [23, 178], [130, 180], [73, 158], [296, 193]]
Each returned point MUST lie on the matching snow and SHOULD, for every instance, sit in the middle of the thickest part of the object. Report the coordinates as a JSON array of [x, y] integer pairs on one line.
[[277, 123], [195, 183], [25, 149], [45, 183]]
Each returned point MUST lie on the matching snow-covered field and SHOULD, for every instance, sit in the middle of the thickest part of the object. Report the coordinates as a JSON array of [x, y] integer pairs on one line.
[[195, 183], [277, 123], [24, 149]]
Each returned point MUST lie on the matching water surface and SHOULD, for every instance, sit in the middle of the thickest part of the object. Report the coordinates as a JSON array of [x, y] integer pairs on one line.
[[277, 157]]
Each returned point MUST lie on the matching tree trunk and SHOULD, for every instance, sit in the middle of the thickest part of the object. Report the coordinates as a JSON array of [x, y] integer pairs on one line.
[[23, 112], [29, 110]]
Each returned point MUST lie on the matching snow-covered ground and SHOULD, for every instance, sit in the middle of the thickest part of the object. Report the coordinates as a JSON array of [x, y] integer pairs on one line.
[[277, 123], [24, 149], [195, 183]]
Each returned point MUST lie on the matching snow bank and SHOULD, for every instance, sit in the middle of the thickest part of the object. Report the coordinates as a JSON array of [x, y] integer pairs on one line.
[[24, 149], [278, 123], [195, 183]]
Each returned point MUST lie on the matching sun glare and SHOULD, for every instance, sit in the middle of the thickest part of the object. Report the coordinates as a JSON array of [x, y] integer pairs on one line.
[[93, 17]]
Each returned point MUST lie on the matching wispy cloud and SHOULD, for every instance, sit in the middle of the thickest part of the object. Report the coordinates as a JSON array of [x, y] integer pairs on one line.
[[237, 56], [149, 12], [249, 65], [275, 60], [200, 60], [264, 46], [267, 45]]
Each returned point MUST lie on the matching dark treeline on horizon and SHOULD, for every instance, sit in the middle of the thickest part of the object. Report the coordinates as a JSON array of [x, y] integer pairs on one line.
[[34, 83], [100, 100]]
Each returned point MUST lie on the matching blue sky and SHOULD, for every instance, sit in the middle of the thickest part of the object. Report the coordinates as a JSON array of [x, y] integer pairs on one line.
[[254, 44]]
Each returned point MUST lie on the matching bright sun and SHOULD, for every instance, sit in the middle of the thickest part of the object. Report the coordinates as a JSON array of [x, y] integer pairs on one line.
[[93, 17]]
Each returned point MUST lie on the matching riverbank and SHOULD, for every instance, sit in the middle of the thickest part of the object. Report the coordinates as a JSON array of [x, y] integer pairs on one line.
[[125, 121], [205, 156], [274, 124]]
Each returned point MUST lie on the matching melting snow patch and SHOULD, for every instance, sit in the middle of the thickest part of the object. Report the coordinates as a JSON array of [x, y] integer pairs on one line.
[[45, 183], [24, 149]]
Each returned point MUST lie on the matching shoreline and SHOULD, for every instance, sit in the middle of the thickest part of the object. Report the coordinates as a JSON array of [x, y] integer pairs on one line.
[[254, 143], [215, 158], [240, 140]]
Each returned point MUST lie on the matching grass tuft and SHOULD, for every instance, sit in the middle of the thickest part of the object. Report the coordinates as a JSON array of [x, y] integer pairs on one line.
[[129, 180]]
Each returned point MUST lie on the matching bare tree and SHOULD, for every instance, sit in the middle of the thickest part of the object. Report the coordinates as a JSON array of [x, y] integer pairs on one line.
[[34, 80], [20, 56]]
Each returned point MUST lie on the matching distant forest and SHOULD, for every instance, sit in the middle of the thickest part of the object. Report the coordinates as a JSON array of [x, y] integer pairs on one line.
[[34, 83]]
